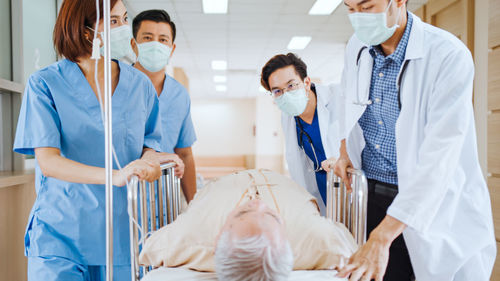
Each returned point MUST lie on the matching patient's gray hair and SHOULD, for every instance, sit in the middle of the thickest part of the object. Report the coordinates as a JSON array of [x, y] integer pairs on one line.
[[254, 258]]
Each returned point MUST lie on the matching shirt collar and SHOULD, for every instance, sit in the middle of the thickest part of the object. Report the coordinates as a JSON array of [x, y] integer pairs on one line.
[[399, 54]]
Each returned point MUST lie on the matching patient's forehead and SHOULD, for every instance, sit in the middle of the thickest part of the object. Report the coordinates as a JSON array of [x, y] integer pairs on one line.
[[256, 223]]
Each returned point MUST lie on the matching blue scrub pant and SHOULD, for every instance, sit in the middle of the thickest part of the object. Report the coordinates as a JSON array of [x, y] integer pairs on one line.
[[54, 268]]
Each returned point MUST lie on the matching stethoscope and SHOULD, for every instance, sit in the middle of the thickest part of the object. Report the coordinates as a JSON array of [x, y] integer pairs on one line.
[[367, 101], [309, 140]]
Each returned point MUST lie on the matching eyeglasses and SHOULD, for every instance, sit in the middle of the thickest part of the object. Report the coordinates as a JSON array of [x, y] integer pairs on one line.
[[290, 87]]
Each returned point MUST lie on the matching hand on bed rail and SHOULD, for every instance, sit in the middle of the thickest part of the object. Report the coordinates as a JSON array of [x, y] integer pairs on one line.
[[143, 169], [162, 158], [172, 157], [342, 167]]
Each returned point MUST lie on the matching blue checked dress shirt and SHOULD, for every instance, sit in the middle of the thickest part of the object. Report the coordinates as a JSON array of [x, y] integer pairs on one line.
[[378, 122]]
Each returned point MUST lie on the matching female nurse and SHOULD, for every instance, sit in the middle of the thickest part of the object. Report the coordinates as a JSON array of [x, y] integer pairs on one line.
[[60, 123]]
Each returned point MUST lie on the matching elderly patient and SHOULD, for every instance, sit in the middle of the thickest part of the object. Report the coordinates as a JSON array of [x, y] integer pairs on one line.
[[252, 225]]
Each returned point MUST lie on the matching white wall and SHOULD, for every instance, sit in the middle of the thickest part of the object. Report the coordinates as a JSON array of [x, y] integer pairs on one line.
[[269, 144], [224, 127], [39, 17]]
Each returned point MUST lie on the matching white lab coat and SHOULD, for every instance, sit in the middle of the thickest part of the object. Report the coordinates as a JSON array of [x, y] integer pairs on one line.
[[443, 198], [329, 108]]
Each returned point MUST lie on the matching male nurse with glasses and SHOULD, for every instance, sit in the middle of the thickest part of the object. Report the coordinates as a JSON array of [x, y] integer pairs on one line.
[[309, 120]]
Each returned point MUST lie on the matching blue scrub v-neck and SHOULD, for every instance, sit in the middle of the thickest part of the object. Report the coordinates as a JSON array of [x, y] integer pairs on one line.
[[60, 110], [314, 133]]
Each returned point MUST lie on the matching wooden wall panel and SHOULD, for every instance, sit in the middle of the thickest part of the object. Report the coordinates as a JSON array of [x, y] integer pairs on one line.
[[435, 6], [181, 77], [494, 121], [494, 143], [420, 12], [15, 205], [451, 19], [494, 24], [221, 161], [494, 187], [495, 276], [455, 16], [494, 79]]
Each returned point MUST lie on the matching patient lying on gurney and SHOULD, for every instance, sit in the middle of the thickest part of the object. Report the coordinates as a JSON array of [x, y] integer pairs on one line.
[[252, 225]]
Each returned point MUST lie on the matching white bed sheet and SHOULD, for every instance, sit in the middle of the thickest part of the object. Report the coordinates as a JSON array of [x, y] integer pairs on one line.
[[177, 274]]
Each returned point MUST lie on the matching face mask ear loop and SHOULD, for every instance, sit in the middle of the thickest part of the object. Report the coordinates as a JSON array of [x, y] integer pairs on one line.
[[399, 14], [96, 47]]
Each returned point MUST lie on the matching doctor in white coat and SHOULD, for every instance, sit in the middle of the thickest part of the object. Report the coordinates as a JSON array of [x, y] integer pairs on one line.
[[442, 206], [310, 120]]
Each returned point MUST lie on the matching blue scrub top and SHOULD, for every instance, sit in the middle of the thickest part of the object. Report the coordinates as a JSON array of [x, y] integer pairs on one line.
[[175, 110], [59, 109], [314, 133]]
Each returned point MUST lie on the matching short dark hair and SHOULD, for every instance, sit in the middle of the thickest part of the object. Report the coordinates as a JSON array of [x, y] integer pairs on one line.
[[281, 61], [74, 19], [153, 15]]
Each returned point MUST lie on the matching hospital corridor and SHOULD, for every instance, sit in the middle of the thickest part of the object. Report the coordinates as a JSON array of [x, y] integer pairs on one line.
[[249, 140]]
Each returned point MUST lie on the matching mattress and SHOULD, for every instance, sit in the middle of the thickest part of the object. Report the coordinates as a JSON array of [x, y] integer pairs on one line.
[[177, 274]]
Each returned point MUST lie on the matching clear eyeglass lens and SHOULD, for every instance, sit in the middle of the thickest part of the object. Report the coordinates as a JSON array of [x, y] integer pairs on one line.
[[292, 87], [277, 93]]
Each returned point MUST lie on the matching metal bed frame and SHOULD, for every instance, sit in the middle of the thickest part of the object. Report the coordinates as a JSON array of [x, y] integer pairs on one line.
[[150, 207], [153, 212], [348, 208]]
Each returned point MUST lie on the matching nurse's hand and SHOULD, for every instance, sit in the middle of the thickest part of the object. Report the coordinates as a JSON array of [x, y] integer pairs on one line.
[[172, 157], [162, 158], [328, 164], [143, 169]]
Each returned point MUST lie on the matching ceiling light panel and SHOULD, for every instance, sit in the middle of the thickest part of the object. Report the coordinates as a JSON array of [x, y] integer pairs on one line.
[[299, 42], [324, 7], [219, 65], [215, 6]]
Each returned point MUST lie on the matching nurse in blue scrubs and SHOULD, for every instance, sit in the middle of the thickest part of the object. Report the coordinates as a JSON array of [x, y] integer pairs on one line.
[[60, 123], [154, 35]]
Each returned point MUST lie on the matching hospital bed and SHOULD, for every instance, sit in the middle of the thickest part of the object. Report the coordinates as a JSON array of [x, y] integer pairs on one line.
[[153, 205]]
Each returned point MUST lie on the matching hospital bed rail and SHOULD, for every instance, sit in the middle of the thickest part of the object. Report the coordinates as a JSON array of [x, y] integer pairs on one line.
[[150, 207], [342, 206], [348, 208]]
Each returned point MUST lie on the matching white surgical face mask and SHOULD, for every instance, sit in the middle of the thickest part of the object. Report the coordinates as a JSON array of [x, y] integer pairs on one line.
[[294, 102], [120, 42], [153, 56], [371, 28]]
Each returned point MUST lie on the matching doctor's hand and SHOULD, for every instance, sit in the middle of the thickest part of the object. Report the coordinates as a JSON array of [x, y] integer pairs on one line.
[[143, 169], [328, 164], [341, 169], [369, 262]]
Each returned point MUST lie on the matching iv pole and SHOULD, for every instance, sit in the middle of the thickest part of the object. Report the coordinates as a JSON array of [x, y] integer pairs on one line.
[[108, 140]]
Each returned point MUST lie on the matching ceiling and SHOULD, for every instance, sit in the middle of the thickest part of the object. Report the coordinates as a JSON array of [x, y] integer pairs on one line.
[[247, 36]]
